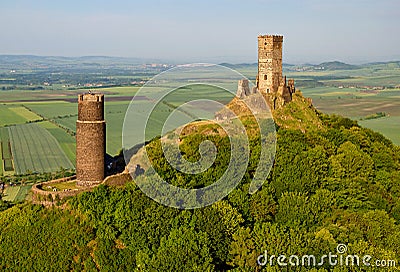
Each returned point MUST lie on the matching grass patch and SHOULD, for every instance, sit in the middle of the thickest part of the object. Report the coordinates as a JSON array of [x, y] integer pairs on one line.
[[297, 115], [61, 186]]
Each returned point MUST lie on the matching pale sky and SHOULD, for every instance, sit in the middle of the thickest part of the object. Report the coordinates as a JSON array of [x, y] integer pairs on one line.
[[202, 31]]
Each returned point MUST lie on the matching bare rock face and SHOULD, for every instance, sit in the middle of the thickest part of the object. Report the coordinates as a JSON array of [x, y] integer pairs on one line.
[[243, 88]]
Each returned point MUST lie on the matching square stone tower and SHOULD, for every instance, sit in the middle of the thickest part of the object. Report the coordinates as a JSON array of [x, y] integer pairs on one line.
[[269, 75], [90, 139]]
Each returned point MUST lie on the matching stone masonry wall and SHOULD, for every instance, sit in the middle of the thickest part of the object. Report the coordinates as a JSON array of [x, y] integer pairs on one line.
[[90, 139], [269, 63]]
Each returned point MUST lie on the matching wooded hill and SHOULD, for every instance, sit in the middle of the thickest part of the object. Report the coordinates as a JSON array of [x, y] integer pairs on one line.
[[333, 182]]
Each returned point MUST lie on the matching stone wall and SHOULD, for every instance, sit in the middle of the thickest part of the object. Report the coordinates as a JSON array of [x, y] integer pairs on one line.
[[49, 198]]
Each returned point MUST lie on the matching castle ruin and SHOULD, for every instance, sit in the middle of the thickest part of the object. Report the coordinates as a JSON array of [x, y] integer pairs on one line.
[[90, 139], [270, 81]]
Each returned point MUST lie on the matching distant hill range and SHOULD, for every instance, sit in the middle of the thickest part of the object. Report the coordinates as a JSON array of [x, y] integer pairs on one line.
[[33, 58], [43, 62], [336, 65], [32, 61], [331, 65]]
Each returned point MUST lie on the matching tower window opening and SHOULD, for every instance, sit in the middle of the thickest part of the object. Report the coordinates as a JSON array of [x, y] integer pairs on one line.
[[265, 77]]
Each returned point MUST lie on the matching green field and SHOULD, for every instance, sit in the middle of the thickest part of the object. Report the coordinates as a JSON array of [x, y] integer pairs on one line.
[[25, 113], [388, 126], [6, 153], [65, 114], [1, 160], [10, 117], [117, 91], [54, 109], [16, 193], [353, 104], [36, 150], [13, 114], [67, 122], [114, 115], [66, 141]]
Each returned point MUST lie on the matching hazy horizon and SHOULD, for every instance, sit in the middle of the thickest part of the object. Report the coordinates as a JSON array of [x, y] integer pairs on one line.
[[135, 60], [353, 31]]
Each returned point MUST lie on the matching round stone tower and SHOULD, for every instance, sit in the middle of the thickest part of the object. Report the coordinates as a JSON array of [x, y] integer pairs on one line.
[[90, 139]]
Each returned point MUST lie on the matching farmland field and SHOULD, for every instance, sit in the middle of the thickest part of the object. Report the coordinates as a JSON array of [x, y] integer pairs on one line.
[[36, 150], [52, 109], [118, 91], [16, 193], [114, 115], [1, 159], [67, 122], [65, 114], [6, 154], [10, 193], [9, 117], [388, 126], [25, 113], [354, 105], [66, 141], [23, 191]]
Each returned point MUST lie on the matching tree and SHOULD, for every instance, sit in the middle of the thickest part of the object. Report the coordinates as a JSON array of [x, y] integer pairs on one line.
[[351, 162], [183, 250]]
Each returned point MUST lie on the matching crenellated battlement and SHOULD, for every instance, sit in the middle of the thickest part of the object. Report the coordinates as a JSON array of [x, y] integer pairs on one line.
[[95, 97], [277, 38]]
